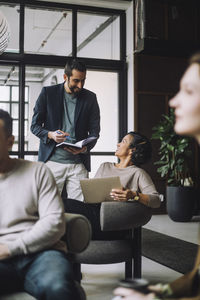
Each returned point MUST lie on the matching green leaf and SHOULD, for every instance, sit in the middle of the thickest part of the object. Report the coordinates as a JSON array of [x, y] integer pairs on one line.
[[174, 151]]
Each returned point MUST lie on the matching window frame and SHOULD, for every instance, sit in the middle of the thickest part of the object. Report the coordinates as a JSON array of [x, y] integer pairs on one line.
[[22, 59]]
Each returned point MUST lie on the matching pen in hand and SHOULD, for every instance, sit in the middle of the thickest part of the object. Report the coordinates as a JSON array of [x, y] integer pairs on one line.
[[68, 138]]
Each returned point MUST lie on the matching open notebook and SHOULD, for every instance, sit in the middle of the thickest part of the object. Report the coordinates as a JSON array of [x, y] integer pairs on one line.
[[96, 190]]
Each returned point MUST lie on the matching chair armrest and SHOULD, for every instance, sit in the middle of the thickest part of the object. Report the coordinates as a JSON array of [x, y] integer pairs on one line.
[[121, 216], [78, 232]]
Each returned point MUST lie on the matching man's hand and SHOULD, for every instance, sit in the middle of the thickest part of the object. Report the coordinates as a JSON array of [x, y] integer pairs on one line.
[[121, 195], [4, 252], [75, 151], [130, 294], [58, 136]]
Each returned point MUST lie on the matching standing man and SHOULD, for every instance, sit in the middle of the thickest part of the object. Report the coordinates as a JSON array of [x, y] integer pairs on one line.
[[67, 110], [32, 256]]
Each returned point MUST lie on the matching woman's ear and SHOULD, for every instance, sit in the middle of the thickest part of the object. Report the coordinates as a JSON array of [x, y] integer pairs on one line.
[[133, 149], [130, 150]]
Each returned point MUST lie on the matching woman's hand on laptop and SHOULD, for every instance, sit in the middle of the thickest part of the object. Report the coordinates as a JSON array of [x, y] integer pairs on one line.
[[121, 194]]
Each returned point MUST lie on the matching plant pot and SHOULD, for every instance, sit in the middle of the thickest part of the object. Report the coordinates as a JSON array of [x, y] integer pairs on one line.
[[181, 202]]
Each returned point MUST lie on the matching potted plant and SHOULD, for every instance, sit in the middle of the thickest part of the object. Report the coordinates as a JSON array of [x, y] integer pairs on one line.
[[175, 155]]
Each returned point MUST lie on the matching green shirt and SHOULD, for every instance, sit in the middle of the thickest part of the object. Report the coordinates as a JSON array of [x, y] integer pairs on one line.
[[60, 155]]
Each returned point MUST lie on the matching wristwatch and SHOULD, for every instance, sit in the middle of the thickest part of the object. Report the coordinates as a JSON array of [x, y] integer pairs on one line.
[[135, 198]]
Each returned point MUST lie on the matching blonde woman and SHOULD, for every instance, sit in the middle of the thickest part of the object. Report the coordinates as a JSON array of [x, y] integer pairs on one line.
[[187, 112]]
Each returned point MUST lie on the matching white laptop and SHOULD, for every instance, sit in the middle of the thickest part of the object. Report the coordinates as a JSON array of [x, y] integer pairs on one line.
[[96, 190]]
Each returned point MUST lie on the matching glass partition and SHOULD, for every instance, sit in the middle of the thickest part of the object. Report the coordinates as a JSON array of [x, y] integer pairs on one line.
[[98, 36], [105, 85], [36, 78], [9, 96], [97, 81], [48, 31], [31, 157], [11, 13]]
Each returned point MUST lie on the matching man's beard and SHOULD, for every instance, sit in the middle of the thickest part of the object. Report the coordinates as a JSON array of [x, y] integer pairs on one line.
[[73, 88]]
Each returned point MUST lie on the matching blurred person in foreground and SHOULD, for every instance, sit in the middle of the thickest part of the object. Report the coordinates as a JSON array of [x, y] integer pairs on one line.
[[32, 254], [187, 112]]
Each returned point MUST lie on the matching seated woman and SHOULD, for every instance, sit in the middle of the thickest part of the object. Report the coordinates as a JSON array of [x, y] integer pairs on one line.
[[133, 151]]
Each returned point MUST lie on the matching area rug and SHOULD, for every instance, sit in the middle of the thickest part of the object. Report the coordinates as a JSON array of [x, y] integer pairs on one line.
[[171, 252]]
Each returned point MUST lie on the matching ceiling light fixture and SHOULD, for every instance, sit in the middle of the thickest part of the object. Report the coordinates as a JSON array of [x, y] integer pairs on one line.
[[52, 31]]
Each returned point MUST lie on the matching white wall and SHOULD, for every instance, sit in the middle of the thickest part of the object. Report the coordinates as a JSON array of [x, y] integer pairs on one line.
[[105, 85]]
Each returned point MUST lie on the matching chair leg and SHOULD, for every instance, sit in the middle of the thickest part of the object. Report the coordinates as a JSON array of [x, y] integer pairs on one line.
[[137, 252], [129, 269], [77, 272]]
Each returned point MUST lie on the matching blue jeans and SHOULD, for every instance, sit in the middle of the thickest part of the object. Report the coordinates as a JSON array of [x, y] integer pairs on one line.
[[46, 275]]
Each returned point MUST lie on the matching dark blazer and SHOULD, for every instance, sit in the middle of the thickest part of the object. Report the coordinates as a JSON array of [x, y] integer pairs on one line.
[[47, 116]]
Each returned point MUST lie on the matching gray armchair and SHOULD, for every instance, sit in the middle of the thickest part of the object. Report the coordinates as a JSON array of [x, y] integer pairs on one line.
[[77, 237], [116, 216]]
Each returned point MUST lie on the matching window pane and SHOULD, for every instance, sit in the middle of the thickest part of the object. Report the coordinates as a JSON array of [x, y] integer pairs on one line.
[[96, 161], [26, 111], [50, 31], [15, 93], [31, 157], [98, 36], [11, 13], [26, 129], [15, 146], [26, 94], [98, 82], [36, 78], [101, 83], [15, 111], [5, 106], [9, 76], [15, 129], [9, 81], [4, 92]]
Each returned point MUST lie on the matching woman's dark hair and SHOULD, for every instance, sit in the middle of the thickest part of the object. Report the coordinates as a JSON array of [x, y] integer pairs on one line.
[[74, 64], [7, 120], [142, 148]]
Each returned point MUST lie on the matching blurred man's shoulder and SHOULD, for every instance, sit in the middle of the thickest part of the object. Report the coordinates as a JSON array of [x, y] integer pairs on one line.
[[24, 163]]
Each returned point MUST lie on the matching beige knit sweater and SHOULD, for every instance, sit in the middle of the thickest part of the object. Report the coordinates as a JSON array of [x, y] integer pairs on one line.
[[31, 211], [132, 178]]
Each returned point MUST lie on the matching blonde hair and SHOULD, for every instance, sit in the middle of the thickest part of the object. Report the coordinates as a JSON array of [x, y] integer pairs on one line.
[[195, 59]]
